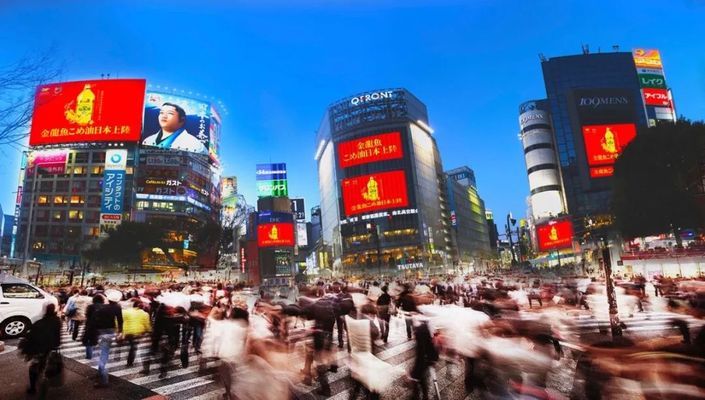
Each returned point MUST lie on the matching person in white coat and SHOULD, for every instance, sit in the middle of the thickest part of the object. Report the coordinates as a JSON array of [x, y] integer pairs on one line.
[[172, 134]]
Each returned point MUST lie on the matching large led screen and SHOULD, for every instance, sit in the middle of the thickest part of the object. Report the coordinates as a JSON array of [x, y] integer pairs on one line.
[[555, 235], [275, 234], [604, 143], [175, 122], [386, 146], [108, 110], [381, 191]]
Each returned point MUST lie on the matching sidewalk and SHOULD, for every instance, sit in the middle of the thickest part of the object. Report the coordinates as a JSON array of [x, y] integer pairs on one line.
[[78, 383]]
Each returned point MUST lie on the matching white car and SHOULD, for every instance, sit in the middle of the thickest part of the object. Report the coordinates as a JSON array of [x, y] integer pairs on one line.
[[21, 305]]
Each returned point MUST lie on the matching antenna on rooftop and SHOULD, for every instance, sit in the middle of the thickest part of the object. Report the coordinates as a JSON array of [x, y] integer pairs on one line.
[[542, 57], [615, 47], [586, 49]]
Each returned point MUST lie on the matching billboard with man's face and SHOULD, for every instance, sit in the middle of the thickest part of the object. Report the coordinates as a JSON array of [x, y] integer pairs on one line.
[[176, 122]]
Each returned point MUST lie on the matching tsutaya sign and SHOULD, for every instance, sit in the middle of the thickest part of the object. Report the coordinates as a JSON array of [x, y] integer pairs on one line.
[[374, 96]]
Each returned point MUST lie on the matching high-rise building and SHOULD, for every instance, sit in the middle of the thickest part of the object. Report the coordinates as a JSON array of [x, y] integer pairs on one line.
[[383, 200], [595, 104], [107, 151], [467, 216]]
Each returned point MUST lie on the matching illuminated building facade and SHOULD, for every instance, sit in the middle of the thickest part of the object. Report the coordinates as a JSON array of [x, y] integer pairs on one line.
[[383, 200]]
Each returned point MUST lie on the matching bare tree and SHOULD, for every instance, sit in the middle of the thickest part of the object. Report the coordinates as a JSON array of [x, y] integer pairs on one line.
[[18, 83]]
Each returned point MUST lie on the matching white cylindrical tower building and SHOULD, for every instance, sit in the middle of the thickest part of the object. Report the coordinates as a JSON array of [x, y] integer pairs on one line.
[[546, 199]]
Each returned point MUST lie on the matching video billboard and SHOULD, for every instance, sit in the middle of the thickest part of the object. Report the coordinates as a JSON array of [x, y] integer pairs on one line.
[[272, 180], [555, 235], [604, 143], [381, 191], [228, 195], [385, 146], [176, 122], [275, 234], [107, 110]]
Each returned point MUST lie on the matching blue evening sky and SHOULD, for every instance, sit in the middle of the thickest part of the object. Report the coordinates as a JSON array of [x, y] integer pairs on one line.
[[277, 64]]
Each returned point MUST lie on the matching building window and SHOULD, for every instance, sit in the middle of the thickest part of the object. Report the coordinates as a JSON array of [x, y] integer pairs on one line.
[[99, 157], [38, 245], [58, 215], [94, 186], [42, 199], [142, 205], [77, 200], [81, 157], [75, 215], [93, 201], [78, 186], [60, 200], [94, 231], [97, 170], [62, 186], [129, 170], [79, 171], [46, 186]]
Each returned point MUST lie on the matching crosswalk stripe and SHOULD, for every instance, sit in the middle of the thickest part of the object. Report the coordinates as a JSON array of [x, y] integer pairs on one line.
[[200, 381]]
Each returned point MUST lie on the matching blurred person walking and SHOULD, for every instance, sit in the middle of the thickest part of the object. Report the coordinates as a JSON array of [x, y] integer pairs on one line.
[[43, 338]]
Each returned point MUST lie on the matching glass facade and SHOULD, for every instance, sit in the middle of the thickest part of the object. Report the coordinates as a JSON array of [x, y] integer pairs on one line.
[[390, 237], [565, 78]]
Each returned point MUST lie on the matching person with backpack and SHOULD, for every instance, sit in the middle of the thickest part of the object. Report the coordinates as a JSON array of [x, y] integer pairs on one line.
[[104, 323], [43, 338], [384, 304]]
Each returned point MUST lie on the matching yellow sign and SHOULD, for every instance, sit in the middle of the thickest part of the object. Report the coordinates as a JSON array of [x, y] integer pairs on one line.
[[372, 190], [83, 114], [553, 235], [647, 58], [274, 233], [608, 143]]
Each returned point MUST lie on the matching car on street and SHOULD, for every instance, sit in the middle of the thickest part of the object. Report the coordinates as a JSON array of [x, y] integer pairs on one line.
[[21, 305]]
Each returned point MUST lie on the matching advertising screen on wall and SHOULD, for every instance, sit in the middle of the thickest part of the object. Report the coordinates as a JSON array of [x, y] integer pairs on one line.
[[275, 234], [656, 97], [653, 81], [176, 122], [47, 161], [272, 180], [107, 110], [555, 235], [367, 193], [604, 143], [386, 146], [298, 209], [647, 58]]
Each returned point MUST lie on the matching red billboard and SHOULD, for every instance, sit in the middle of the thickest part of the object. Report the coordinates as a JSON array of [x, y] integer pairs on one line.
[[385, 146], [107, 110], [656, 97], [601, 172], [604, 143], [374, 192], [275, 234], [555, 235]]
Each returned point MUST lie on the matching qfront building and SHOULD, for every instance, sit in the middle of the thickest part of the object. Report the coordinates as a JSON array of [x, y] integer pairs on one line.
[[383, 202], [595, 105], [107, 151]]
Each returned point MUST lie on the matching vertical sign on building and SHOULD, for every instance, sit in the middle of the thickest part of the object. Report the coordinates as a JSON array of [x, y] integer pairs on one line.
[[654, 90], [113, 190], [272, 180]]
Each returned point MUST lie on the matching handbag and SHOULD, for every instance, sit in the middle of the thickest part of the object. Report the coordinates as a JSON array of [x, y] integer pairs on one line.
[[54, 370]]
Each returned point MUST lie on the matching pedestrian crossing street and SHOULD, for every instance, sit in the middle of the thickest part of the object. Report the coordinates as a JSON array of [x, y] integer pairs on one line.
[[200, 380]]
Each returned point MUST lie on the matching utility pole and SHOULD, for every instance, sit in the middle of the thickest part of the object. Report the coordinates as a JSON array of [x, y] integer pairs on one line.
[[615, 324], [28, 229]]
